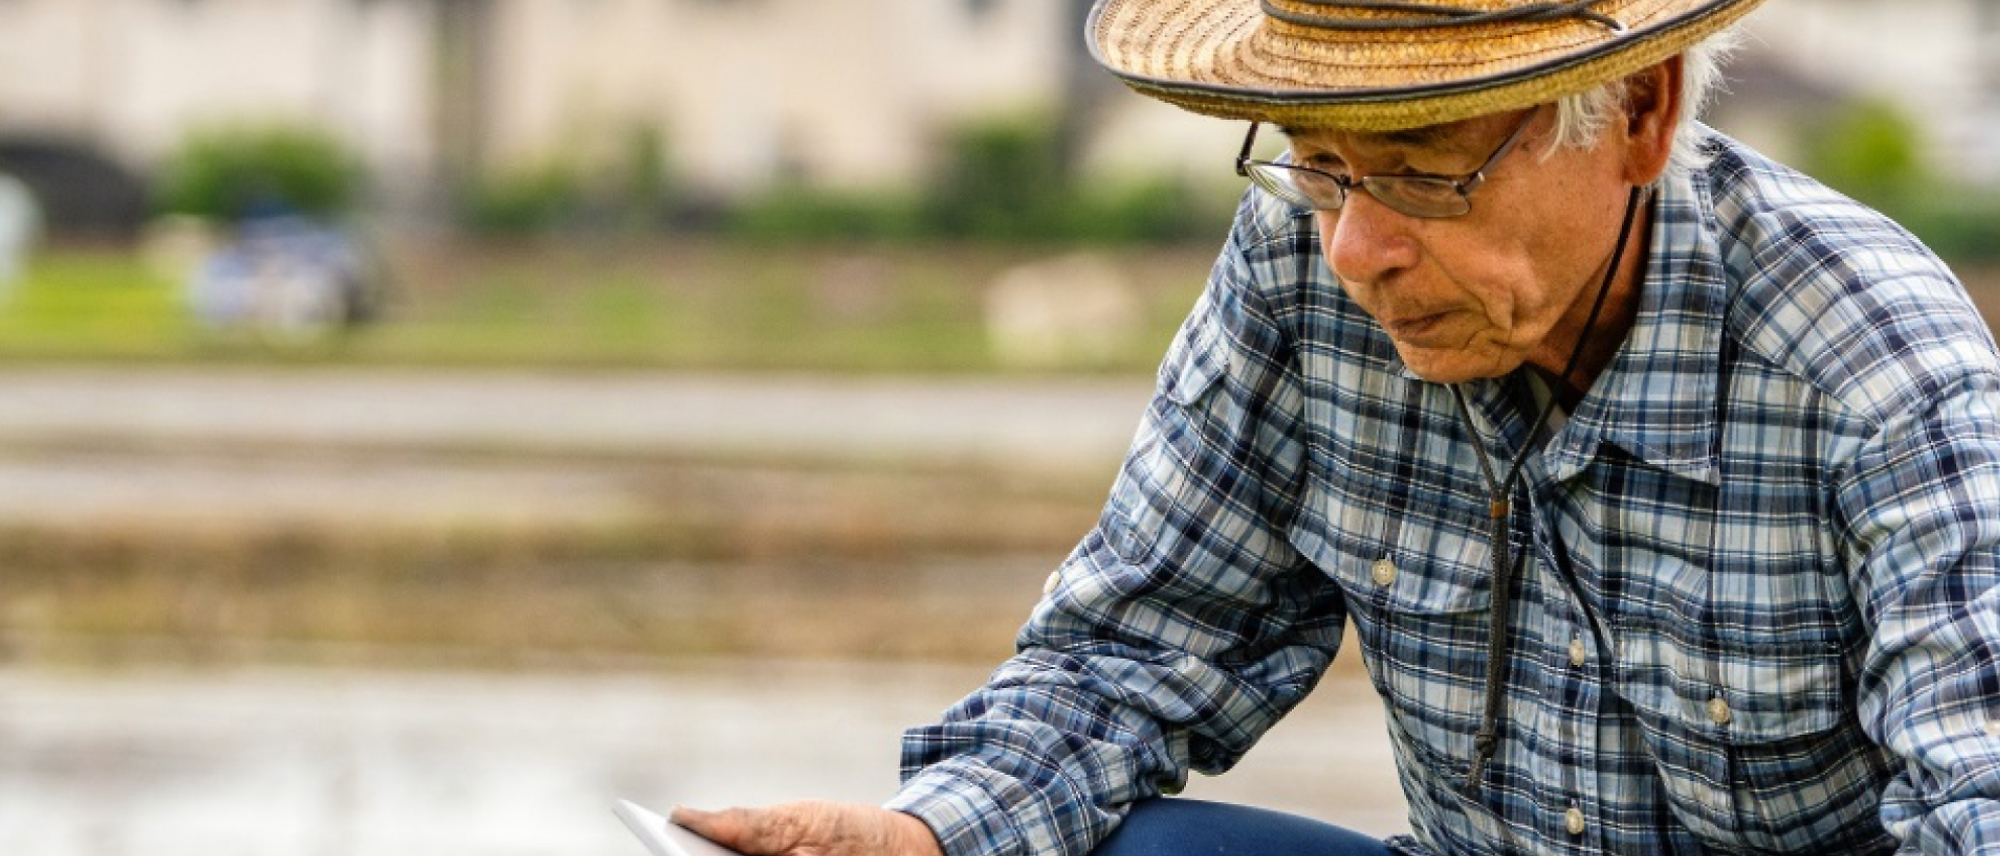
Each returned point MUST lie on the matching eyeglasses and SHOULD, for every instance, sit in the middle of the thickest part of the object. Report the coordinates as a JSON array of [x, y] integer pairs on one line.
[[1416, 195]]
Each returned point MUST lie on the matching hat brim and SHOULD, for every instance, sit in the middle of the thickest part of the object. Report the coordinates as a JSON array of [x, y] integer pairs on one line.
[[1230, 60]]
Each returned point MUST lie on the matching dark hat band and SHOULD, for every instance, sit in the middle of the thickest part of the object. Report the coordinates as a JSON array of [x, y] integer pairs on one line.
[[1427, 15]]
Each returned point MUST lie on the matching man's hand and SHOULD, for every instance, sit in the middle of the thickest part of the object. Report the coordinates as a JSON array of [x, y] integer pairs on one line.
[[813, 828]]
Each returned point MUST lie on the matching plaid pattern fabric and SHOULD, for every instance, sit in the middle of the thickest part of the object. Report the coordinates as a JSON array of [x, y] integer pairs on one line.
[[1760, 615]]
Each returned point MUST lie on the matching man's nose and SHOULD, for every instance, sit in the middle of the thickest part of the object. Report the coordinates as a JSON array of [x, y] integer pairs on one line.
[[1365, 241]]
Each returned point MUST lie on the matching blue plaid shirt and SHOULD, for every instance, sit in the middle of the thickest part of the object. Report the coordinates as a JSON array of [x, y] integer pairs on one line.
[[1759, 614]]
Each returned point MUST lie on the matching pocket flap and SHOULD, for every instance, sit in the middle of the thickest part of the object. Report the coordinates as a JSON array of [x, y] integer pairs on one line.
[[1418, 563], [1754, 697]]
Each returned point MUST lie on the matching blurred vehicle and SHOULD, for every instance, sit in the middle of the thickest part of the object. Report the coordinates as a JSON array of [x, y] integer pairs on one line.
[[287, 277]]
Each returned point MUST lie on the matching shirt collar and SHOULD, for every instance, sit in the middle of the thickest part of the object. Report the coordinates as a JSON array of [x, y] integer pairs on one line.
[[1657, 400]]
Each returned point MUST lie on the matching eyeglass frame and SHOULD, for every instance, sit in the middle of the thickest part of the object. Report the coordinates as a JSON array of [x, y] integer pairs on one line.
[[1462, 184]]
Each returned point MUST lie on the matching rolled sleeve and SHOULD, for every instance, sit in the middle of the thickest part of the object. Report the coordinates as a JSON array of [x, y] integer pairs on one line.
[[1178, 631], [967, 807], [1925, 499]]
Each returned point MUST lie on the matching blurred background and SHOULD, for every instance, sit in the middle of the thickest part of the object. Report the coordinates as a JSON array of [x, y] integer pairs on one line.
[[425, 421]]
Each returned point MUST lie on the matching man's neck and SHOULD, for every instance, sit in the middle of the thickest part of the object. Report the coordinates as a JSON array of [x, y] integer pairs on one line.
[[1602, 341]]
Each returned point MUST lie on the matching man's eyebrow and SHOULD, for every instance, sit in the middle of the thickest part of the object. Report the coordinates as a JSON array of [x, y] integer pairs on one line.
[[1430, 136]]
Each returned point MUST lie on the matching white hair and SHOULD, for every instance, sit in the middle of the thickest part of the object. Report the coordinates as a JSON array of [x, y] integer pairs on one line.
[[1582, 117]]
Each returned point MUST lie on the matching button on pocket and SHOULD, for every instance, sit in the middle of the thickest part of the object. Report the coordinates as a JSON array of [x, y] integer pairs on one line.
[[1735, 772], [1718, 711], [1420, 612]]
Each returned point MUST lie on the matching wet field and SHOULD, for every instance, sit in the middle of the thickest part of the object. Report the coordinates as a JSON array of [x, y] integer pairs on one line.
[[331, 613], [273, 762]]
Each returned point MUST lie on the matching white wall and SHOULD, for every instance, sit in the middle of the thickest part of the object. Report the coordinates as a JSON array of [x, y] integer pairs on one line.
[[136, 74], [847, 92], [840, 92]]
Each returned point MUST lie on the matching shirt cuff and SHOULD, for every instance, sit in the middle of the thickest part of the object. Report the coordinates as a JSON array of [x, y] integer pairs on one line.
[[962, 809]]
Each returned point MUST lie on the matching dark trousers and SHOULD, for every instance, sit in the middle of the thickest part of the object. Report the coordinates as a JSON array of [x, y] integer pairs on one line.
[[1178, 827]]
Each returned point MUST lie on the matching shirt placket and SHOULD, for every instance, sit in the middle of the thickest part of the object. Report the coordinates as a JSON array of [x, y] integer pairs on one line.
[[1574, 675], [1551, 809], [1566, 785]]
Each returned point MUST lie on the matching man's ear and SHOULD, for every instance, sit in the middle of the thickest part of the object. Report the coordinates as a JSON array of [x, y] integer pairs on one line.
[[1652, 115]]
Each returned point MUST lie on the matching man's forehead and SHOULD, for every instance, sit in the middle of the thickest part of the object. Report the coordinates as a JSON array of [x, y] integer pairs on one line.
[[1451, 135]]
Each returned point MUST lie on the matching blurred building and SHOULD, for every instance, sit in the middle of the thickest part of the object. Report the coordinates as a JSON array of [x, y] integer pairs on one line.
[[739, 94]]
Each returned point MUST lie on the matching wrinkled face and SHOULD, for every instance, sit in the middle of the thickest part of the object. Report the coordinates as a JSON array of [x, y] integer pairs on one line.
[[1476, 295]]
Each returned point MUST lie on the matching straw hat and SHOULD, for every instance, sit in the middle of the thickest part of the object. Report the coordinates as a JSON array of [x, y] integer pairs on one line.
[[1382, 65]]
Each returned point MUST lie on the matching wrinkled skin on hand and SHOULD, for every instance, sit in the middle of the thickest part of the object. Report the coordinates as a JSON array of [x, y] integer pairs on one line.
[[812, 828]]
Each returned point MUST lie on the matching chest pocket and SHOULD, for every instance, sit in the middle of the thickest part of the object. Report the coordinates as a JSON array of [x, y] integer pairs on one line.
[[1418, 591], [1751, 739]]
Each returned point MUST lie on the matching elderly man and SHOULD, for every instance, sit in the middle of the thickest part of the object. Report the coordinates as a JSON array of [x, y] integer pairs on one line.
[[1660, 484]]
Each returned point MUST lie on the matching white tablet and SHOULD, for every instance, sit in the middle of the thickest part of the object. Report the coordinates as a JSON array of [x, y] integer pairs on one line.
[[664, 838]]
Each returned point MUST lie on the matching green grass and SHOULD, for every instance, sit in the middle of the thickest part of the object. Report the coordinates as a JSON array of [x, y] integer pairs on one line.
[[93, 305], [672, 305], [624, 305]]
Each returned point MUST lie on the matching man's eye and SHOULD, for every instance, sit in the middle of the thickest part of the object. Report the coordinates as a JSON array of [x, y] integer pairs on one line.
[[1312, 180], [1324, 163], [1426, 190]]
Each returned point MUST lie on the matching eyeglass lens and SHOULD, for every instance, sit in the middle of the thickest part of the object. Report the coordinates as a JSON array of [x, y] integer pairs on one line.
[[1414, 196]]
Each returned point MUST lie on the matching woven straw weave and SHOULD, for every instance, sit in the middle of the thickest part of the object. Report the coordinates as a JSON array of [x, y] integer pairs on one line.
[[1227, 58]]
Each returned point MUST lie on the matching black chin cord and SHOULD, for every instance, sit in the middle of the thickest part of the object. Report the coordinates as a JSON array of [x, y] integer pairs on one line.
[[1499, 643]]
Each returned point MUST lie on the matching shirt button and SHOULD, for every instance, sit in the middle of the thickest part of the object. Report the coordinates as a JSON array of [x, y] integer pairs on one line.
[[1573, 820], [1578, 655], [1384, 572], [1718, 710], [1049, 585], [1993, 727]]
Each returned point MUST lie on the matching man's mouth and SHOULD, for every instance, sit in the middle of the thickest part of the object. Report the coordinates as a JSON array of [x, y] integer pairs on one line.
[[1415, 328]]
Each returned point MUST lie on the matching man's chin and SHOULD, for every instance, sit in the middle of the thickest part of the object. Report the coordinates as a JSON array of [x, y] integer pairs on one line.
[[1439, 365]]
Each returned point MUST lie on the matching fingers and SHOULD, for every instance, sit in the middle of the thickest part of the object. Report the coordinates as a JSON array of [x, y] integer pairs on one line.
[[793, 828], [731, 828], [704, 823], [810, 829]]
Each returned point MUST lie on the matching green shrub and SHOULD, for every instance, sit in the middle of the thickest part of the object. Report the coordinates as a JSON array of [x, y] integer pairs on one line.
[[225, 173], [624, 187], [820, 216], [1959, 228], [1002, 180], [1157, 211], [643, 187], [1873, 152], [522, 199]]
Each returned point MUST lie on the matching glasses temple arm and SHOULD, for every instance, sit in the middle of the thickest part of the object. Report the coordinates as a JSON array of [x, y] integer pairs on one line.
[[1243, 157]]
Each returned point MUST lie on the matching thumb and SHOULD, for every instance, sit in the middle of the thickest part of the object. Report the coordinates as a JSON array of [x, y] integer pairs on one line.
[[722, 827], [749, 831]]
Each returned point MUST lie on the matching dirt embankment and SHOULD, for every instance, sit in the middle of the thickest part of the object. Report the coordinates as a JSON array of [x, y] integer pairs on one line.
[[519, 519], [786, 561]]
